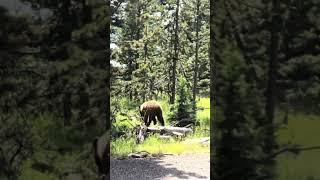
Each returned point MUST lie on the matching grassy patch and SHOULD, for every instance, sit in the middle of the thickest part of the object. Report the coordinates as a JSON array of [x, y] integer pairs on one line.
[[303, 129], [122, 146], [153, 144], [203, 115]]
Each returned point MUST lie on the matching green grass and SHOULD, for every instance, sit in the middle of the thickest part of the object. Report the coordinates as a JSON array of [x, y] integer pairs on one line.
[[122, 146], [154, 145], [302, 129], [203, 116]]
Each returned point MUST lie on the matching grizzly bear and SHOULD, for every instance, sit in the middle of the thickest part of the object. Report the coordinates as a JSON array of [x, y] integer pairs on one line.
[[149, 111]]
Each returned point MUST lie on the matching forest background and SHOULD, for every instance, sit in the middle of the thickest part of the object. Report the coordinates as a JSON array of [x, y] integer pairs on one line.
[[160, 51]]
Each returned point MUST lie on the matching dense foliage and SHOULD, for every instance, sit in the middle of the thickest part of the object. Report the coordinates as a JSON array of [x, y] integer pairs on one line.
[[145, 64], [53, 88]]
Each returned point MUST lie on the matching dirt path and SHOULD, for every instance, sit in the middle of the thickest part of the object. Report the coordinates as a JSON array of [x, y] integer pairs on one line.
[[167, 167]]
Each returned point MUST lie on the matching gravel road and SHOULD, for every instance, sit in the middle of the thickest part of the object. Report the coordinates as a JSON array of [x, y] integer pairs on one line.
[[165, 167]]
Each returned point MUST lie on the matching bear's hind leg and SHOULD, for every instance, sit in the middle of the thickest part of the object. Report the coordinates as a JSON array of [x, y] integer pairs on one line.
[[160, 119]]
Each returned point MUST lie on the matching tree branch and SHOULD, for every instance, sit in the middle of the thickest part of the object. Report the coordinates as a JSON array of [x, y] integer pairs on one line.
[[309, 47], [294, 149], [240, 42], [250, 6], [18, 151]]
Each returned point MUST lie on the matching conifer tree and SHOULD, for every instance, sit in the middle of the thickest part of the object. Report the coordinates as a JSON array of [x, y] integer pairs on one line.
[[182, 109]]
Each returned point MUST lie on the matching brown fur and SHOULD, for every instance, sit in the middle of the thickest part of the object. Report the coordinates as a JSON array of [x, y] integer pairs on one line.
[[151, 110]]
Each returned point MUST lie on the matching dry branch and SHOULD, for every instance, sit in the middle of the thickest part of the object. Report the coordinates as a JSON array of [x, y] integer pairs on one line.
[[295, 149]]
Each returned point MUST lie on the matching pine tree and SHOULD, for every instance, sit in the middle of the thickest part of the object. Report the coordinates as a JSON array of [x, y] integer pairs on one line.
[[238, 139], [182, 109]]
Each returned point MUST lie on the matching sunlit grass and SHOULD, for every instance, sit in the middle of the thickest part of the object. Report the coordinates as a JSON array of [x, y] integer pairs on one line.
[[200, 131], [203, 102], [203, 115], [154, 145], [172, 147], [122, 146]]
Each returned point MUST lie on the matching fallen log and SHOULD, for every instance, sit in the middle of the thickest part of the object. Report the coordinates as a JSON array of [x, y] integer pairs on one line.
[[143, 154], [184, 122], [142, 131], [170, 130]]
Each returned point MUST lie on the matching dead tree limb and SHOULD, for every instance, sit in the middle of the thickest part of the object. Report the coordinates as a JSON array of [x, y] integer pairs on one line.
[[295, 149]]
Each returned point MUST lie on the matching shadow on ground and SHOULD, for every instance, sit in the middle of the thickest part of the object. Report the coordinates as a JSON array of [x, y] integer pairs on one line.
[[151, 168]]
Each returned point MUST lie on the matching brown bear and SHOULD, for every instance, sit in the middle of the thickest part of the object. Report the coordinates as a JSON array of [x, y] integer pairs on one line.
[[149, 111]]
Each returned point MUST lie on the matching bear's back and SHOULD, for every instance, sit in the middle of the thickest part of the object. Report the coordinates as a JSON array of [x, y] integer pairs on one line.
[[150, 105]]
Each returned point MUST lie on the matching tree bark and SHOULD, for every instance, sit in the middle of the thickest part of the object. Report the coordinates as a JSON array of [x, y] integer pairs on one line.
[[145, 62], [272, 75], [108, 74], [195, 75], [213, 99], [176, 54], [67, 108], [66, 23], [87, 12]]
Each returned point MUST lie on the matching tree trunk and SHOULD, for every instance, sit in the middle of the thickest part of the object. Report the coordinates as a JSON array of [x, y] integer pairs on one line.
[[67, 108], [169, 58], [145, 62], [272, 73], [84, 102], [87, 12], [195, 75], [66, 23], [176, 54], [213, 99], [108, 74]]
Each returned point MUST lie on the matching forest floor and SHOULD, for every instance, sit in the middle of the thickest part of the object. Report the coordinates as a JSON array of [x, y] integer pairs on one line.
[[163, 167]]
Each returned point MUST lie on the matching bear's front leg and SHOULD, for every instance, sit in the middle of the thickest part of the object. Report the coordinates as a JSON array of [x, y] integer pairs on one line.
[[145, 120], [148, 121], [153, 118]]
